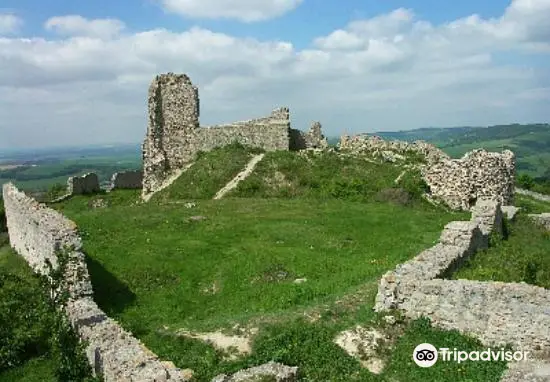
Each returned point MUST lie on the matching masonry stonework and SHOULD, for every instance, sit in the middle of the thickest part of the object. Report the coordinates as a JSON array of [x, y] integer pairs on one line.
[[36, 232], [127, 180], [478, 174], [85, 184], [174, 135], [456, 182], [496, 313], [313, 139]]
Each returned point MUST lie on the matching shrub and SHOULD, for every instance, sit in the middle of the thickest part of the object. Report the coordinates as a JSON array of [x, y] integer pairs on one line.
[[34, 326], [525, 181], [394, 195]]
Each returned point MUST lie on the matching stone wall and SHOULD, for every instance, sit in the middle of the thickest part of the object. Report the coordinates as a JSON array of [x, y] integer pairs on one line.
[[456, 182], [127, 180], [376, 145], [478, 174], [36, 232], [85, 184], [174, 137], [313, 139], [495, 313], [270, 133], [541, 219], [173, 117], [532, 194]]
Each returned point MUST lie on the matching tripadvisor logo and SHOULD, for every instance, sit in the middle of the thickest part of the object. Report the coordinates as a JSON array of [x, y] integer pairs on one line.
[[426, 355]]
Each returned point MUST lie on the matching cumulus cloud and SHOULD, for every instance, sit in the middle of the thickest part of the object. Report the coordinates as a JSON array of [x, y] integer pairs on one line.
[[75, 25], [9, 23], [243, 10], [393, 71]]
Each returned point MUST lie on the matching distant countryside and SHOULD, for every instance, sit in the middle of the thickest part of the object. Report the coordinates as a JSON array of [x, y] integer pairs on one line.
[[41, 170]]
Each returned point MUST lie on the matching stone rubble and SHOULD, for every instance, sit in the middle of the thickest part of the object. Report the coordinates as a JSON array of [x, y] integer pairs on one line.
[[281, 373]]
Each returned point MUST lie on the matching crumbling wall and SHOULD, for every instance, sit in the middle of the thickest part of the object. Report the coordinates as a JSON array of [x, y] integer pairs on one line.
[[36, 232], [174, 137], [270, 133], [478, 174], [313, 139], [377, 146], [127, 180], [85, 184], [173, 104], [495, 313]]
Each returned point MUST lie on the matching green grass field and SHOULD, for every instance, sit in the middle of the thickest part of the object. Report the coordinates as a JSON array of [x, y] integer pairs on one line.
[[523, 256], [161, 267], [337, 223]]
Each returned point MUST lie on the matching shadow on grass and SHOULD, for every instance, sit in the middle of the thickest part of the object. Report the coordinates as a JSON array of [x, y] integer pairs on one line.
[[112, 295]]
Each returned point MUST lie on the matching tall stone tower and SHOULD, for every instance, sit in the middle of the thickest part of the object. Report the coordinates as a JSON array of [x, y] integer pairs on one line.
[[172, 125]]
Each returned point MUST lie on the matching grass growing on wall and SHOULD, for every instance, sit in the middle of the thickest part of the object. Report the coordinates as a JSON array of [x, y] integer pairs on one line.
[[522, 257], [36, 343]]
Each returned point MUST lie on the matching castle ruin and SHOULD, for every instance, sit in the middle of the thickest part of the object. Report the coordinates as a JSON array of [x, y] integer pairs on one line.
[[174, 135]]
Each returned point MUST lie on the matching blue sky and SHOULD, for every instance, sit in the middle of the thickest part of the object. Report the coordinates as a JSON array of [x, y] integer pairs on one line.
[[83, 67]]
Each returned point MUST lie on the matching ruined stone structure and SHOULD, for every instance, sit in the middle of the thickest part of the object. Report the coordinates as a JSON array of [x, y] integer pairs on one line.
[[85, 184], [174, 135], [36, 233], [373, 144], [478, 174], [456, 182], [127, 180], [496, 313], [314, 138]]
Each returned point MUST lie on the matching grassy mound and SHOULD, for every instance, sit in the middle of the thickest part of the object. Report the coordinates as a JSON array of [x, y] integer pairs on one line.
[[210, 172], [523, 256], [323, 175]]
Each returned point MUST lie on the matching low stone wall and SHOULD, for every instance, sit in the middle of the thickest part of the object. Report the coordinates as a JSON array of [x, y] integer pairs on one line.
[[127, 180], [542, 219], [377, 145], [85, 184], [36, 233], [532, 194], [495, 313]]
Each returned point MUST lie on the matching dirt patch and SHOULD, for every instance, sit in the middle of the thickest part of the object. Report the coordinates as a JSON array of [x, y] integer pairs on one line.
[[234, 346], [364, 344]]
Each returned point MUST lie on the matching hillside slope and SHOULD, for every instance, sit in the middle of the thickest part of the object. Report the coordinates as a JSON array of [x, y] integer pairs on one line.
[[531, 142]]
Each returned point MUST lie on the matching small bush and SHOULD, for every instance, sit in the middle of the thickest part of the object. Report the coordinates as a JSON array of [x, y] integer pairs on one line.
[[525, 181], [33, 326], [397, 196], [530, 273]]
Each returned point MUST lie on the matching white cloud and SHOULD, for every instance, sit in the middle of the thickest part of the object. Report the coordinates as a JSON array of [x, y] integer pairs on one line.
[[74, 25], [392, 71], [9, 23], [243, 10]]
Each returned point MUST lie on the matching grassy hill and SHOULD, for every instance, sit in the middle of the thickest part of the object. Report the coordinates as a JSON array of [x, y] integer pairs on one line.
[[334, 223], [531, 143], [293, 253]]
